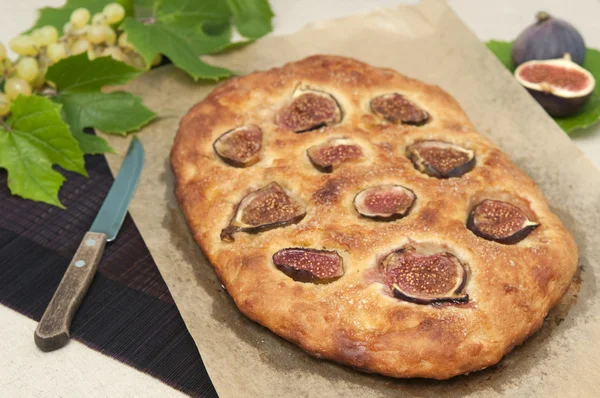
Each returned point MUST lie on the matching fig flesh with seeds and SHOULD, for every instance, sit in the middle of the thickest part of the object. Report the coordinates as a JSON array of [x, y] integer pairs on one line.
[[500, 221], [240, 147], [332, 153], [384, 202], [309, 265], [441, 159], [395, 108], [425, 278], [264, 209], [309, 110], [560, 86]]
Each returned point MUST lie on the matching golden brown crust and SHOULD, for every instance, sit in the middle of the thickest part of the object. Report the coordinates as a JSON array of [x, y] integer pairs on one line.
[[355, 320]]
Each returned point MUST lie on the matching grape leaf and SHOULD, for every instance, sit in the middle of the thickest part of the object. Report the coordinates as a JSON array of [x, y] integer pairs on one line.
[[184, 30], [78, 74], [91, 144], [78, 82], [32, 140], [57, 17], [116, 112], [252, 18], [501, 50], [590, 113], [175, 28]]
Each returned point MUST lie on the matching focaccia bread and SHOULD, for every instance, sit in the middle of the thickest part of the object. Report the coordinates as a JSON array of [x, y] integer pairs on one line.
[[357, 213]]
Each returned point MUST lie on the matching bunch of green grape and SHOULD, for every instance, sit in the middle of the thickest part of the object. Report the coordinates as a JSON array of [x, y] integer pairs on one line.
[[94, 34]]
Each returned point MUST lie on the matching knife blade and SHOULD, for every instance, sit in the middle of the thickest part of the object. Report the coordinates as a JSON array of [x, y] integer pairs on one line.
[[52, 331]]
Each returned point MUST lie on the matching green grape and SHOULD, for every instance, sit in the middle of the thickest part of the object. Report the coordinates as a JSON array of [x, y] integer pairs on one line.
[[36, 35], [48, 35], [2, 69], [124, 43], [2, 52], [40, 78], [15, 86], [80, 17], [4, 105], [67, 28], [27, 69], [114, 12], [110, 37], [23, 45], [92, 54], [80, 46], [56, 52], [45, 36], [96, 34], [98, 19], [80, 33], [115, 52]]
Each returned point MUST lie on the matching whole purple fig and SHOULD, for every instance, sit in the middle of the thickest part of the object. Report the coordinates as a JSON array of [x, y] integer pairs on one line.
[[548, 38]]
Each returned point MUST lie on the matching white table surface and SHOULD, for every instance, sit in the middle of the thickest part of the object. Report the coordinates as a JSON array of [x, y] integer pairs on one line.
[[25, 371]]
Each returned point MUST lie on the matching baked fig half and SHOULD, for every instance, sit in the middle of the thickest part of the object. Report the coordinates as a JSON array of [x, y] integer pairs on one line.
[[425, 278], [500, 221], [240, 147], [309, 265], [548, 38], [309, 110], [395, 108], [384, 202], [332, 153], [441, 159], [560, 86], [264, 209]]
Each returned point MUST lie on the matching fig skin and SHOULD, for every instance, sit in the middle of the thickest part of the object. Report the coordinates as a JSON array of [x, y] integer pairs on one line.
[[439, 300], [548, 38], [556, 100], [558, 106], [507, 240], [227, 232]]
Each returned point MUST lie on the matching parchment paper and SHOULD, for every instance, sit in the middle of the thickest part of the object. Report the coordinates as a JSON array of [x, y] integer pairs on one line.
[[429, 42]]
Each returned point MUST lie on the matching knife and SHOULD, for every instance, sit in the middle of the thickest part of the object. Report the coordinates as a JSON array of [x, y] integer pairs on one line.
[[53, 330]]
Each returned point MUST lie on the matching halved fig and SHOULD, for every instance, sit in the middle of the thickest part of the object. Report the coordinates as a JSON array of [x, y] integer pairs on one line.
[[500, 221], [384, 202], [395, 108], [240, 147], [560, 86], [309, 265], [332, 153], [309, 110], [441, 159], [423, 278], [264, 209]]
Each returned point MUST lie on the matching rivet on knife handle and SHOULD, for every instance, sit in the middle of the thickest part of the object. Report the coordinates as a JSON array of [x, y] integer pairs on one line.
[[53, 330]]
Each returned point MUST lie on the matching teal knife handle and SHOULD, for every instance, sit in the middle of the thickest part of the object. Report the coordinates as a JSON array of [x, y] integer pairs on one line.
[[53, 330]]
